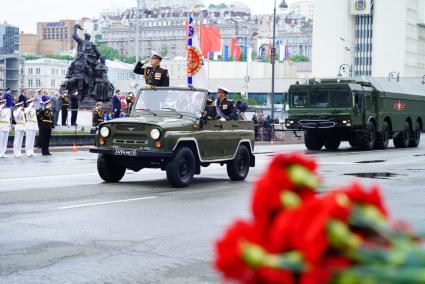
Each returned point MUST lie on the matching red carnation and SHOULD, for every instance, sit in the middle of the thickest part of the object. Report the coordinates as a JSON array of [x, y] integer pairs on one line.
[[229, 251]]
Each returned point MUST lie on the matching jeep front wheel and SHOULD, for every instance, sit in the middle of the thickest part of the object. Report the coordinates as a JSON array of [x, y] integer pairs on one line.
[[181, 169], [238, 168], [108, 171]]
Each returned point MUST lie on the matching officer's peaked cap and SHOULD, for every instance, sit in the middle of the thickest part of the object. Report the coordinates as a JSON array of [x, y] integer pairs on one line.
[[156, 55], [223, 89]]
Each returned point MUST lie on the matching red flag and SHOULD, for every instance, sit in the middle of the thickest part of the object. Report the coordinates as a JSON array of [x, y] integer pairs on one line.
[[238, 52], [210, 39], [233, 47]]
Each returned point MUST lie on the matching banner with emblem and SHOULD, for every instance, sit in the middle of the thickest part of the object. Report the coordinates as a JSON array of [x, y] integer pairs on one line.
[[196, 74], [361, 7]]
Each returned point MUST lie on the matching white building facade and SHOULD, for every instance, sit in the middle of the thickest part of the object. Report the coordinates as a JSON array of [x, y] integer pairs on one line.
[[49, 74], [375, 37]]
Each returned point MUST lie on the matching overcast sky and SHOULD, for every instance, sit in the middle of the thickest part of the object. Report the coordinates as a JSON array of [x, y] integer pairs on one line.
[[25, 13]]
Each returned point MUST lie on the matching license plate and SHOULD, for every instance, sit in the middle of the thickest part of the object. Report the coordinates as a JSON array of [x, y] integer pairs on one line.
[[125, 152]]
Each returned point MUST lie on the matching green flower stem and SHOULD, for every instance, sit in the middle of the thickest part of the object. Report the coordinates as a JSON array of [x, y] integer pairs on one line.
[[302, 177]]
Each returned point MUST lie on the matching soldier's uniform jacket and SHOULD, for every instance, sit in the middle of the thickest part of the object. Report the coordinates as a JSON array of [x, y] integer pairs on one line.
[[5, 114], [209, 112], [31, 116], [97, 117], [64, 101], [225, 109], [20, 120], [157, 77], [46, 118]]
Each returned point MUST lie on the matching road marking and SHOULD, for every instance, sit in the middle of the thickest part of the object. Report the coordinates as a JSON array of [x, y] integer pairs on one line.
[[44, 177], [105, 203]]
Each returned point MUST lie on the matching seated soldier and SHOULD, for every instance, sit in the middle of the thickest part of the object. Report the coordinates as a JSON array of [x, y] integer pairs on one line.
[[225, 108]]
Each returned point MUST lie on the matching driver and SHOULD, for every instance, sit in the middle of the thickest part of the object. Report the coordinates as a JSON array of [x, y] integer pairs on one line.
[[225, 109]]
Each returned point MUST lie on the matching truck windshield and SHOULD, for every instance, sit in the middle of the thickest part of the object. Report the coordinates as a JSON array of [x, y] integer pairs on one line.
[[180, 101], [322, 99]]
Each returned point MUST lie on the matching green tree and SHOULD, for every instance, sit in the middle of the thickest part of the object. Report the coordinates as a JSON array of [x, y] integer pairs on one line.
[[298, 58], [109, 52]]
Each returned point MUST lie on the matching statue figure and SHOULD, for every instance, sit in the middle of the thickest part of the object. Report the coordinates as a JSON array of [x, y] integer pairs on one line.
[[103, 88], [88, 73]]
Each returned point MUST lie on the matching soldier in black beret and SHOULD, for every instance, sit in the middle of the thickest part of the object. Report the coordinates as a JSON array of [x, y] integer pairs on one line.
[[154, 74]]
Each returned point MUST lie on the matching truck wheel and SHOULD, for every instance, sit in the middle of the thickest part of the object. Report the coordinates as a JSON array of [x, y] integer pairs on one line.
[[332, 143], [416, 137], [238, 168], [384, 137], [108, 171], [313, 140], [369, 138], [402, 140], [181, 169]]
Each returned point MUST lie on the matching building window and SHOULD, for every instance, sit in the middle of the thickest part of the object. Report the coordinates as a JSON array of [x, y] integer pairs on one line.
[[30, 71], [53, 83], [30, 83], [37, 71], [38, 83], [52, 71]]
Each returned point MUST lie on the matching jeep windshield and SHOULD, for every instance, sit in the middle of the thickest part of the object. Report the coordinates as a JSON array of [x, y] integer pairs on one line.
[[156, 101], [322, 99]]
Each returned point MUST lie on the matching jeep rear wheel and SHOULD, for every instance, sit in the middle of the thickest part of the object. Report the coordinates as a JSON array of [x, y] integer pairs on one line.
[[108, 171], [313, 140], [181, 169], [238, 168]]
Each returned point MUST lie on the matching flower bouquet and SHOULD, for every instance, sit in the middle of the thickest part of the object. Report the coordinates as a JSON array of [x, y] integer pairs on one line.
[[299, 236]]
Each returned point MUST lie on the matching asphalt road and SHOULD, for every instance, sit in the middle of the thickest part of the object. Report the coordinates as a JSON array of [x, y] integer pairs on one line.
[[60, 224]]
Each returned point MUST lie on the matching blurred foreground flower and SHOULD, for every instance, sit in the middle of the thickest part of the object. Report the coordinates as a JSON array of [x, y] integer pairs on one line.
[[296, 236]]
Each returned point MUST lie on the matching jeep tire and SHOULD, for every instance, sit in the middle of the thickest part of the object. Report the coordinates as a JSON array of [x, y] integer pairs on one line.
[[238, 168], [181, 169], [108, 171]]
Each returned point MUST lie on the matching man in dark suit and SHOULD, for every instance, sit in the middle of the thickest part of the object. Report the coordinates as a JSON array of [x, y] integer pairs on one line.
[[74, 108], [23, 98], [116, 104]]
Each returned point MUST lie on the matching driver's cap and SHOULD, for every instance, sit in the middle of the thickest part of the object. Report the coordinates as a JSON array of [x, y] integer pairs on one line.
[[156, 55]]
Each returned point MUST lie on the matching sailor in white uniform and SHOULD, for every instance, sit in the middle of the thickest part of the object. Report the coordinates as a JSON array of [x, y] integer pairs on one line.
[[20, 120], [4, 127], [31, 128]]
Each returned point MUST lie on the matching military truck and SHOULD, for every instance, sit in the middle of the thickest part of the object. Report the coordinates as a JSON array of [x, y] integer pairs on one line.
[[167, 130], [367, 112]]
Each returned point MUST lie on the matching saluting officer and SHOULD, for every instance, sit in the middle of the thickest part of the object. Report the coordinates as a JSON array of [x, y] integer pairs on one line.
[[31, 128], [154, 74], [46, 118], [97, 115], [20, 120], [5, 115], [224, 108]]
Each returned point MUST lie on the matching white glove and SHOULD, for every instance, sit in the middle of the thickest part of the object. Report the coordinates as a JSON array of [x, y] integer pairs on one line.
[[222, 119], [146, 61]]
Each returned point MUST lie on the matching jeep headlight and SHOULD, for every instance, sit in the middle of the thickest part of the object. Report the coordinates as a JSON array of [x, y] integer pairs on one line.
[[105, 132], [155, 134]]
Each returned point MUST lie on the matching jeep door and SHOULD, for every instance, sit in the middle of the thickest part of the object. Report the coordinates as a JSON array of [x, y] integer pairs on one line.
[[211, 140]]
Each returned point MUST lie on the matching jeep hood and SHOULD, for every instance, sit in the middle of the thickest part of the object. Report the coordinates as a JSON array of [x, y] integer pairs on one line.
[[162, 121]]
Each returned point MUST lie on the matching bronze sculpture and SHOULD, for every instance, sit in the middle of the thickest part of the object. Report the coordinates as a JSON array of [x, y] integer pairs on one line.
[[88, 73]]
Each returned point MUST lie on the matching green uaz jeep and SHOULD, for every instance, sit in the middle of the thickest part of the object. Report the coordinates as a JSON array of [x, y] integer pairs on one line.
[[167, 130]]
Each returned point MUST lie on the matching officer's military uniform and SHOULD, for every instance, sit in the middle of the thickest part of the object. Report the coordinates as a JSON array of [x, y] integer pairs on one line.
[[209, 112], [46, 118], [226, 109], [64, 108], [97, 116], [157, 77]]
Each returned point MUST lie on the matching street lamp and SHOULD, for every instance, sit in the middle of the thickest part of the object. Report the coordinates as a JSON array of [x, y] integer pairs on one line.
[[343, 68], [282, 5], [394, 74], [423, 79]]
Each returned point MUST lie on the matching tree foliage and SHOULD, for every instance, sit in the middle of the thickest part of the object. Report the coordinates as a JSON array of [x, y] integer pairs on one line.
[[298, 58]]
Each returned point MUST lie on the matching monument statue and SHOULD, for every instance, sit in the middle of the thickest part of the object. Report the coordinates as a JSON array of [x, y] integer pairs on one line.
[[88, 73]]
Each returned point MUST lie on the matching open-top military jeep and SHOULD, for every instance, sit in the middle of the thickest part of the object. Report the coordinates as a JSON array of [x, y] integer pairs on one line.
[[167, 130]]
